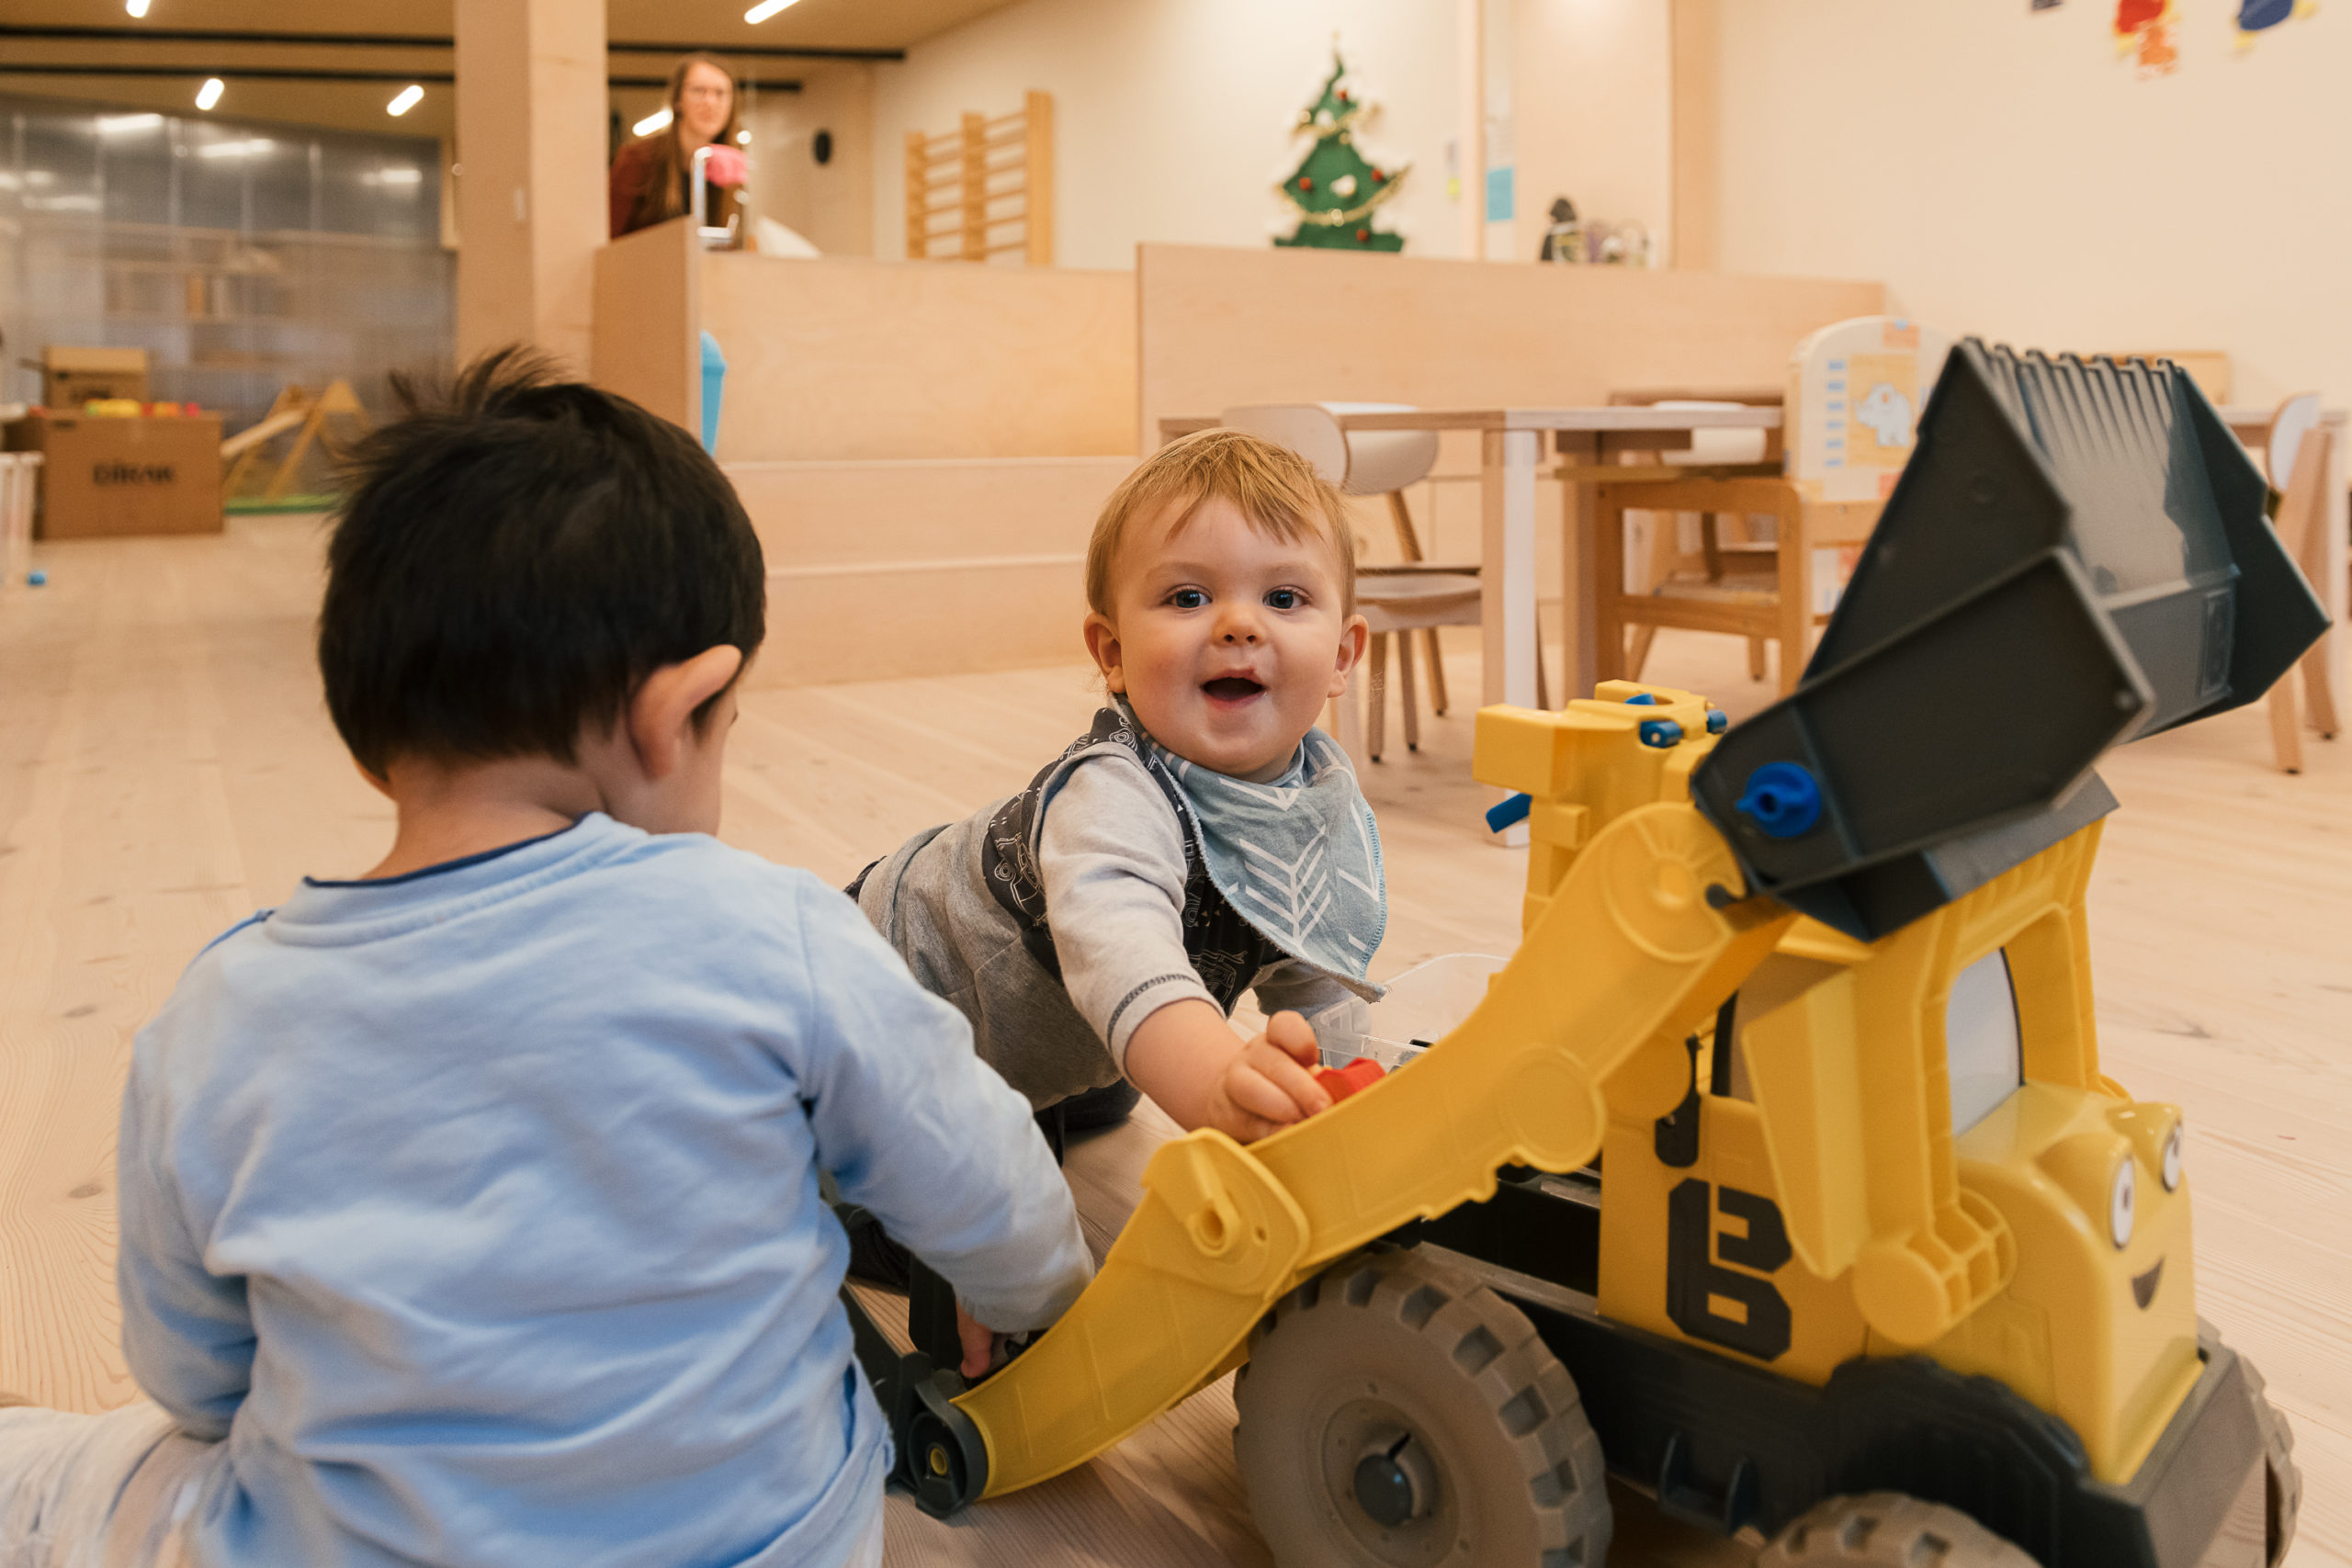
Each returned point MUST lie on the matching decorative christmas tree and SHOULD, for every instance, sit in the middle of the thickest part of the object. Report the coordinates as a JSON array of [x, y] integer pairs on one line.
[[1336, 190]]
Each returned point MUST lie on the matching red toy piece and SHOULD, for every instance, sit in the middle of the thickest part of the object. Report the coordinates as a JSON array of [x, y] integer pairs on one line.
[[1341, 1082]]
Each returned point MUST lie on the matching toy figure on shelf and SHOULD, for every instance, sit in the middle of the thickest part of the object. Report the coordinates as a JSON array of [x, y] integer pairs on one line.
[[1336, 190]]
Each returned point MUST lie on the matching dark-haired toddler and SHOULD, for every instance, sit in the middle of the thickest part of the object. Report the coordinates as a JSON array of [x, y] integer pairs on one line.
[[470, 1206]]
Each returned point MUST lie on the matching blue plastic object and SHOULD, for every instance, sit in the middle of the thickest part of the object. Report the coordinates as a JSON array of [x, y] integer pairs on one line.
[[1717, 721], [1660, 732], [1509, 810], [1781, 798], [38, 577], [1645, 700], [714, 385]]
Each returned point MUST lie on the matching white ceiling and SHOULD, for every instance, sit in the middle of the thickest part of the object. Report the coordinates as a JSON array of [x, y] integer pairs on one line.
[[862, 25]]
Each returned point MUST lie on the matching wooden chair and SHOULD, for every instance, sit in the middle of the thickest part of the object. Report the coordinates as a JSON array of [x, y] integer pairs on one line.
[[2296, 450], [1855, 391], [1710, 546]]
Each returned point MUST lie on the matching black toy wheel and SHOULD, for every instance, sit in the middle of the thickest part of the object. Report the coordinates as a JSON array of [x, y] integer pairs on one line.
[[1888, 1529], [1396, 1413]]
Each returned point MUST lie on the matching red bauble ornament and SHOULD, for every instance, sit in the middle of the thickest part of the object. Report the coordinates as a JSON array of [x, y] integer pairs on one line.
[[1306, 184], [1379, 178], [1361, 236], [1344, 95]]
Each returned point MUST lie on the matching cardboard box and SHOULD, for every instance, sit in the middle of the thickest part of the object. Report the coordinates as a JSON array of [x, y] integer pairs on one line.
[[105, 477], [72, 376]]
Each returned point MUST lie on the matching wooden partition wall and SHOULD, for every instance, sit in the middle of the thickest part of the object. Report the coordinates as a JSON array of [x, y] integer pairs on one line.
[[1234, 326], [850, 358], [924, 448]]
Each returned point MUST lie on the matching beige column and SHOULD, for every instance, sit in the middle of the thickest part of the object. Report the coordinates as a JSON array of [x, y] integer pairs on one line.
[[1697, 217], [531, 111]]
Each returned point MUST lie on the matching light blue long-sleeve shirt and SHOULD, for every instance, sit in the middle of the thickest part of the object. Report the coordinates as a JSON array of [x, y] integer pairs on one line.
[[478, 1209]]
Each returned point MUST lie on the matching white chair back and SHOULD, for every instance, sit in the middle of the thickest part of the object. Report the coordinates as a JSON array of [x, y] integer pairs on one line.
[[1856, 390], [1359, 462], [2295, 419], [1710, 447]]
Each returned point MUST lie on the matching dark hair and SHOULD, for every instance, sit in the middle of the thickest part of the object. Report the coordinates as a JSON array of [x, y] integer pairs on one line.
[[513, 558]]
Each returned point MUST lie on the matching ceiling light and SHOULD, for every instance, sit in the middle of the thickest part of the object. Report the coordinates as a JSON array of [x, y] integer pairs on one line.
[[650, 123], [395, 176], [123, 124], [136, 8], [410, 95], [209, 93], [244, 149], [765, 9]]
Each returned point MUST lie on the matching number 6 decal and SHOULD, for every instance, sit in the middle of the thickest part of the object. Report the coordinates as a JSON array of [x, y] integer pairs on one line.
[[1758, 1325]]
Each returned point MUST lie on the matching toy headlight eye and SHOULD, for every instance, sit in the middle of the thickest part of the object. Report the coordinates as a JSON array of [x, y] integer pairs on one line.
[[2122, 1197], [2172, 1159]]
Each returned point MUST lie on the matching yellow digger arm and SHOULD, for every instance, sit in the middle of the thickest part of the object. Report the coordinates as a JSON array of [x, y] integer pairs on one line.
[[1641, 943]]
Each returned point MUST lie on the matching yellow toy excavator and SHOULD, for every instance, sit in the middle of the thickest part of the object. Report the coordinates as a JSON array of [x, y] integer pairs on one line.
[[1776, 1174]]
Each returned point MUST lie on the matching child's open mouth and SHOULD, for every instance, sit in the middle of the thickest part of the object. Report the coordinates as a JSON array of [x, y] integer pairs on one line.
[[1232, 688]]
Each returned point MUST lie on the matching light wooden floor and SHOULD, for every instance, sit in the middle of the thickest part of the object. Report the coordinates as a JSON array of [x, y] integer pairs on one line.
[[166, 767]]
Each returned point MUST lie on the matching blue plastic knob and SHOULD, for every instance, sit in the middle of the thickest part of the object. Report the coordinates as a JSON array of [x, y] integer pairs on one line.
[[1782, 799], [1510, 809], [1643, 701], [1717, 721], [38, 577], [1660, 732]]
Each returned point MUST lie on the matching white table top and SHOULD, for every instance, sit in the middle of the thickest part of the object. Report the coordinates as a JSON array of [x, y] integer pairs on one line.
[[1595, 417]]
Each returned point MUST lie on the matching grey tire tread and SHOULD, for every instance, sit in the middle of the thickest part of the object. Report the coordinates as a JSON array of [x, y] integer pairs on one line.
[[1888, 1529], [1361, 1309]]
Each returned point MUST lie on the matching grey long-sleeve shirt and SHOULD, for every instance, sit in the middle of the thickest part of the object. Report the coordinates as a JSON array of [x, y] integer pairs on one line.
[[1112, 856]]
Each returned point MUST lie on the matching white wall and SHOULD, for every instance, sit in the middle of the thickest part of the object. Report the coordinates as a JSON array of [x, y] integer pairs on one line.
[[830, 205], [1172, 117], [1592, 112], [2007, 174]]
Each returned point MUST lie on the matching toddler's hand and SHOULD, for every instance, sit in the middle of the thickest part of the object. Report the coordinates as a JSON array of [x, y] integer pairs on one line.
[[982, 1346], [1268, 1084]]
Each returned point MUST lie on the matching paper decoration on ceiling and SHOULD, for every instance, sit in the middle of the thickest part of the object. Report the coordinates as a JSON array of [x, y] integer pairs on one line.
[[2143, 30], [1337, 190], [2261, 15]]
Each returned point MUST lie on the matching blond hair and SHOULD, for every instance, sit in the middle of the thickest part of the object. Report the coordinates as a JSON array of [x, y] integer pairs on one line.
[[1275, 488]]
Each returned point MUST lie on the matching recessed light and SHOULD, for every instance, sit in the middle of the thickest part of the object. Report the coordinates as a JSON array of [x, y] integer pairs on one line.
[[410, 96], [209, 93], [123, 124], [650, 123], [136, 8], [765, 9]]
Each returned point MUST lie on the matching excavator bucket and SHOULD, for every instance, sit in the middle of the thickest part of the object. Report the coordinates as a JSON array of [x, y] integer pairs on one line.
[[2076, 556]]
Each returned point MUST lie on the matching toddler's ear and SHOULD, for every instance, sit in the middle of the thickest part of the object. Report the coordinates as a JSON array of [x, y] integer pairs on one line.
[[1102, 643], [1353, 638]]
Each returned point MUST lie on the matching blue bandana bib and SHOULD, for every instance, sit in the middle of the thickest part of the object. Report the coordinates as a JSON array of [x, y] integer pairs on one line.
[[1299, 858]]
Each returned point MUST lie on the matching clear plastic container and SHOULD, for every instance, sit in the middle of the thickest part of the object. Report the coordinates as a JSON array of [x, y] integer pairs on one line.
[[1422, 1006]]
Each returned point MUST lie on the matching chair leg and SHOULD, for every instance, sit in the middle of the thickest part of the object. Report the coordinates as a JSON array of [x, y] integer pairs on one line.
[[1637, 650], [1542, 680], [1795, 590], [1608, 591], [1755, 659], [1436, 649], [1375, 721], [2286, 729], [2319, 691], [1405, 689]]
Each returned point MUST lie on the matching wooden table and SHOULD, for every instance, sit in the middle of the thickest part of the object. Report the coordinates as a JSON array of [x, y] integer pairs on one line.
[[1590, 443]]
